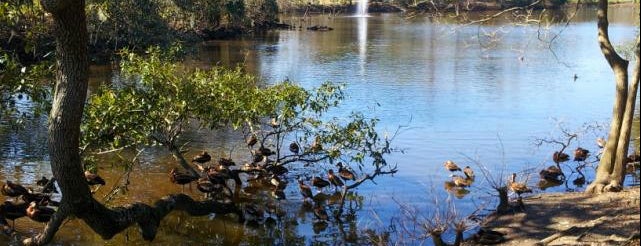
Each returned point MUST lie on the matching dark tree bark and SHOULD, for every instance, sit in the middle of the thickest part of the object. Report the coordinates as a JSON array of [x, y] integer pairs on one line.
[[70, 92], [611, 170]]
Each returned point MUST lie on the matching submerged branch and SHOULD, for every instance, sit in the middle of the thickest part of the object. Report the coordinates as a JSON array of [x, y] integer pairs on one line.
[[109, 222]]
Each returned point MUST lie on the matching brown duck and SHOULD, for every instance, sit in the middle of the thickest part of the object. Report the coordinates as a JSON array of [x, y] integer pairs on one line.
[[94, 179], [294, 148], [305, 190], [559, 157], [580, 154], [13, 190], [181, 178], [251, 140], [333, 179], [13, 211], [551, 173], [518, 188], [201, 158], [451, 166], [345, 173], [469, 173], [461, 182], [39, 213], [319, 183]]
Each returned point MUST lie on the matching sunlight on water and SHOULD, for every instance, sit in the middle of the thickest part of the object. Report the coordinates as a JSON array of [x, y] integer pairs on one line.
[[471, 94]]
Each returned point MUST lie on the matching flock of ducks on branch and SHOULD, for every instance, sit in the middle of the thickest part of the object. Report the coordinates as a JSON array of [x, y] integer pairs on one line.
[[36, 205], [214, 180]]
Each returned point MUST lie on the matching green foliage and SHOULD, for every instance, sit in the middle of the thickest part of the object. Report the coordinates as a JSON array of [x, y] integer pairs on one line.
[[159, 98], [18, 81]]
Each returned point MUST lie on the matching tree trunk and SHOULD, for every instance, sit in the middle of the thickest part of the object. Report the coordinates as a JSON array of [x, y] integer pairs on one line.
[[70, 92], [610, 173]]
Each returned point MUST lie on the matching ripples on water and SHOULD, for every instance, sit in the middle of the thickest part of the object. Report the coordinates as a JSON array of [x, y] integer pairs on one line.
[[460, 97]]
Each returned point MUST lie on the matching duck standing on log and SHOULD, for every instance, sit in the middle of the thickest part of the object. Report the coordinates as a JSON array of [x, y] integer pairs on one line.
[[518, 188], [345, 173], [333, 179]]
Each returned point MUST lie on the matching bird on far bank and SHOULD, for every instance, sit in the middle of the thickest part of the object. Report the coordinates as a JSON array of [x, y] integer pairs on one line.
[[451, 166]]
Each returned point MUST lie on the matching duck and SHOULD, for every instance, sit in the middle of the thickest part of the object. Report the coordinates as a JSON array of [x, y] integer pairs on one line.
[[13, 211], [485, 237], [277, 169], [251, 140], [451, 166], [40, 198], [580, 181], [277, 183], [47, 184], [320, 213], [345, 173], [226, 162], [42, 181], [600, 142], [39, 213], [469, 173], [317, 145], [204, 185], [580, 154], [559, 157], [13, 190], [274, 123], [319, 182], [201, 158], [93, 179], [333, 179], [518, 188], [294, 148], [552, 173], [305, 190], [461, 182], [181, 178], [265, 151]]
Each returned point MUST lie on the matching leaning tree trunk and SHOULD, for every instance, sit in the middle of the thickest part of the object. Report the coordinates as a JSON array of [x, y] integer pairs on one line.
[[70, 92], [611, 170]]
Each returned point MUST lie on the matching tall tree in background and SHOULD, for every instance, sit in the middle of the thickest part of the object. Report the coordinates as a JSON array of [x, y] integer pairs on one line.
[[611, 170]]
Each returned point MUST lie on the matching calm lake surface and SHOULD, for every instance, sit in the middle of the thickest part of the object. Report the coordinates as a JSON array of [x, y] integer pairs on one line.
[[471, 94]]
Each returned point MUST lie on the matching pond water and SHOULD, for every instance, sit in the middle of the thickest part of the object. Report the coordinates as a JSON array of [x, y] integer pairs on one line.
[[468, 93]]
